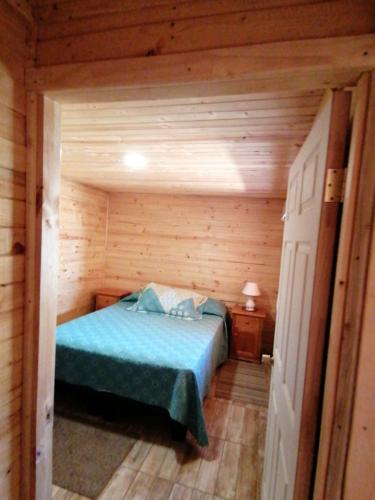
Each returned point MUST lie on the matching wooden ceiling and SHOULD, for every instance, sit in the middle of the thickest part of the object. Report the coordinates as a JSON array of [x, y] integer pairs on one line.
[[228, 145]]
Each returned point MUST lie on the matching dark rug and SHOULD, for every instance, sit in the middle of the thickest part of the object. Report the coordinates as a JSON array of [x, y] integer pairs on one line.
[[87, 446], [243, 381], [85, 456]]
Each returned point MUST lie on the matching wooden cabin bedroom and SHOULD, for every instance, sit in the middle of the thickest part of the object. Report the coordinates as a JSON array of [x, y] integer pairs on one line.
[[186, 249], [172, 196]]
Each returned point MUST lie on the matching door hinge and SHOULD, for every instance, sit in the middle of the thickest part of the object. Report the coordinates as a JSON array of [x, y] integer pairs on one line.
[[335, 185]]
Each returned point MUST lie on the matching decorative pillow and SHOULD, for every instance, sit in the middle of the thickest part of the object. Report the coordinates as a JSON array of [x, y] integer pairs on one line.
[[184, 304]]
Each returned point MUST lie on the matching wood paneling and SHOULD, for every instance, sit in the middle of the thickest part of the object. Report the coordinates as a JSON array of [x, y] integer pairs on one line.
[[239, 144], [289, 65], [82, 242], [275, 57], [361, 459], [139, 36], [13, 50], [351, 323], [211, 244]]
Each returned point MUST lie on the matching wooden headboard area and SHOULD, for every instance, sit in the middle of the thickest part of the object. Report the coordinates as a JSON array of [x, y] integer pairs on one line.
[[209, 243]]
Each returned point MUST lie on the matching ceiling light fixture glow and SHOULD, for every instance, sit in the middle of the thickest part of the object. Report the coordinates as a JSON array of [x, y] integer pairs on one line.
[[135, 161]]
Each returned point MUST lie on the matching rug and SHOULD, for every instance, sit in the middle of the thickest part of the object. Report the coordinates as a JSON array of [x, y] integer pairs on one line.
[[87, 448], [243, 381], [85, 457]]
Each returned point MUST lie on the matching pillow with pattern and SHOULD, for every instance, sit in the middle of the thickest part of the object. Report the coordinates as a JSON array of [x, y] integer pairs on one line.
[[177, 302]]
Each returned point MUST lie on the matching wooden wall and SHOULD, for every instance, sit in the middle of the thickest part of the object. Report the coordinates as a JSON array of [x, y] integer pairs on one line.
[[89, 30], [14, 32], [83, 231], [212, 244]]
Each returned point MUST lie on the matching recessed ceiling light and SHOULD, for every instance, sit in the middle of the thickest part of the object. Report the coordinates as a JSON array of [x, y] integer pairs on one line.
[[135, 161]]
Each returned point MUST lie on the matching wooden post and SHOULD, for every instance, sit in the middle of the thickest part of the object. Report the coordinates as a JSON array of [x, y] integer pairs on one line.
[[348, 301], [43, 176]]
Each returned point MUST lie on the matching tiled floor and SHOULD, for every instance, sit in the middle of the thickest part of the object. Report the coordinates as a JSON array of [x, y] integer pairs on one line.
[[230, 468]]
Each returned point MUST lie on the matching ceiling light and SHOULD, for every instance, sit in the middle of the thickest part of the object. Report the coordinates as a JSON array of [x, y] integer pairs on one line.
[[135, 161]]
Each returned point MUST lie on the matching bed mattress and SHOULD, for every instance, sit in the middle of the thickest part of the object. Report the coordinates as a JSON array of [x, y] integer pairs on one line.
[[149, 357]]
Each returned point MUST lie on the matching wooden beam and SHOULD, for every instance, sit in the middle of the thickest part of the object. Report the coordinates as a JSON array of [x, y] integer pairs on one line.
[[272, 66], [43, 176], [194, 91]]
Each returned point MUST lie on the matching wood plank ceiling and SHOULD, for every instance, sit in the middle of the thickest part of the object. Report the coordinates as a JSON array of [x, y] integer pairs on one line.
[[238, 144]]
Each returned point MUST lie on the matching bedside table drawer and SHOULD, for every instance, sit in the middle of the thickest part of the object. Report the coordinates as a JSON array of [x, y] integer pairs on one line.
[[105, 301], [246, 324]]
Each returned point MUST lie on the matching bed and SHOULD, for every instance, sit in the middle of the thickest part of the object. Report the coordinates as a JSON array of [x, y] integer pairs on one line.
[[150, 357]]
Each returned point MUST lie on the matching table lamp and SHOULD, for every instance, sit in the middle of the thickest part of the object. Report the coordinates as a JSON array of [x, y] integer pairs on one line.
[[251, 290]]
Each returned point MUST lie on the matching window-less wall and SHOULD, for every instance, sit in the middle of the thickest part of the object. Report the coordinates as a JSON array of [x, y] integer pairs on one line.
[[13, 32], [211, 244], [83, 228]]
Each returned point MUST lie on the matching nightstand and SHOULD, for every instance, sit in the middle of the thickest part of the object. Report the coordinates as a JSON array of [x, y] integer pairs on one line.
[[246, 340], [107, 296]]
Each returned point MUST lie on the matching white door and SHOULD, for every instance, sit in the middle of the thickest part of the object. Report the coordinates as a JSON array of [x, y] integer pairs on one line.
[[301, 228]]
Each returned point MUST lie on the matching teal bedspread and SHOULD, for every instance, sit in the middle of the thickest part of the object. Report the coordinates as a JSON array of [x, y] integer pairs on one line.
[[149, 357]]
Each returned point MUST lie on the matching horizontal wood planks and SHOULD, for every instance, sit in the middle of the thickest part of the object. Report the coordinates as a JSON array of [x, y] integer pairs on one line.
[[163, 30], [211, 244], [14, 31], [234, 144], [82, 242], [289, 65]]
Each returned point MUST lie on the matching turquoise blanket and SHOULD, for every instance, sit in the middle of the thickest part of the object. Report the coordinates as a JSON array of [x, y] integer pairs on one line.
[[150, 357]]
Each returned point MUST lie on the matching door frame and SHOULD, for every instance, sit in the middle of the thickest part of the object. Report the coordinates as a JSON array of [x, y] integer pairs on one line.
[[42, 226], [265, 67], [349, 301], [329, 229]]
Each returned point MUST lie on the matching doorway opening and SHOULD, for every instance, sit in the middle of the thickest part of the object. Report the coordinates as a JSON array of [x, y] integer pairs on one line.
[[49, 231]]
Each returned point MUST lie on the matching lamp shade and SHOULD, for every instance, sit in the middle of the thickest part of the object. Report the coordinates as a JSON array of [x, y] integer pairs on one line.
[[251, 289]]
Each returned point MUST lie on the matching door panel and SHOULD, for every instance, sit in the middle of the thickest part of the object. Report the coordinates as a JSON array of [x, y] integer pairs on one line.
[[300, 243]]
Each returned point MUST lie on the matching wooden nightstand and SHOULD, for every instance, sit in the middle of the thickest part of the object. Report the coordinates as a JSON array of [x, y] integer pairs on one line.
[[107, 296], [246, 340]]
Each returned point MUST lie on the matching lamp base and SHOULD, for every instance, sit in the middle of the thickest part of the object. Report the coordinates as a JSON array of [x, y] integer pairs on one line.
[[250, 304]]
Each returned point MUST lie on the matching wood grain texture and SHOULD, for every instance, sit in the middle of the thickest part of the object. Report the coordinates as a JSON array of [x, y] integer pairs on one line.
[[210, 31], [211, 244], [158, 468], [40, 379], [286, 65], [13, 50], [360, 460], [238, 144], [82, 243], [330, 468], [144, 11], [357, 248]]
